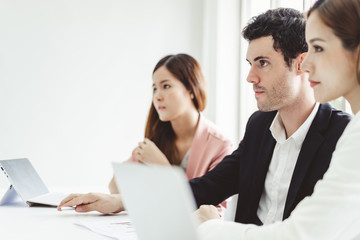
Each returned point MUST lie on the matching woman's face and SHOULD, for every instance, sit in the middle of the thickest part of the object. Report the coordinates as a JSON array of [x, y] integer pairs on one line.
[[170, 97], [330, 66]]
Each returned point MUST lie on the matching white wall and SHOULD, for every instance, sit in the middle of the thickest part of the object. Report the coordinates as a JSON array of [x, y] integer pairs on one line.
[[221, 63], [75, 79]]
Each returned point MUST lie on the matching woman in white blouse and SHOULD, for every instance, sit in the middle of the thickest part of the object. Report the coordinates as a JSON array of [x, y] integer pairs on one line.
[[333, 210]]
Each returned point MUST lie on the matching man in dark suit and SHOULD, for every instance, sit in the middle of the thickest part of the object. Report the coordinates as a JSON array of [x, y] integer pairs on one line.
[[288, 144]]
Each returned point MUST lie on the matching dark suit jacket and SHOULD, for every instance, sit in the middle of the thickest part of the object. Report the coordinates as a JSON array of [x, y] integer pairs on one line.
[[244, 171]]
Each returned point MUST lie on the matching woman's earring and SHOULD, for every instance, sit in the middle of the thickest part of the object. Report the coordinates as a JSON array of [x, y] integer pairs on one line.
[[192, 96]]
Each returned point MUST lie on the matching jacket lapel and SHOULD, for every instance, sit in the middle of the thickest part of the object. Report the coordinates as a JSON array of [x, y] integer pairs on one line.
[[310, 146], [262, 165], [197, 147]]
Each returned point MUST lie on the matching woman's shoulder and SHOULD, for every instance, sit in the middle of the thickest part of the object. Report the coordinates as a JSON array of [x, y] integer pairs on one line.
[[212, 132], [352, 130], [348, 145]]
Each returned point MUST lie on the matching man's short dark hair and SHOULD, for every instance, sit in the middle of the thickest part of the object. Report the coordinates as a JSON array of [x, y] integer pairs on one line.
[[285, 25]]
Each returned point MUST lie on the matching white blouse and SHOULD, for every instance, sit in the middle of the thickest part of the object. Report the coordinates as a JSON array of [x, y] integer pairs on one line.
[[332, 212]]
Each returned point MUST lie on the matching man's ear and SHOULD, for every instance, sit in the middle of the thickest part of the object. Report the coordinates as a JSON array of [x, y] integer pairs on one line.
[[299, 59]]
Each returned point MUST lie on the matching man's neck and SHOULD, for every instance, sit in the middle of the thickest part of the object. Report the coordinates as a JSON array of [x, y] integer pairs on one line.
[[293, 117]]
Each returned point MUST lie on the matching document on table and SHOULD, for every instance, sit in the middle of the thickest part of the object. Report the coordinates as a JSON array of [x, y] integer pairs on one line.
[[114, 228]]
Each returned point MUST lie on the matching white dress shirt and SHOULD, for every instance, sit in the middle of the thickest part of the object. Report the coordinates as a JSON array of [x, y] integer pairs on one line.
[[332, 212], [282, 165]]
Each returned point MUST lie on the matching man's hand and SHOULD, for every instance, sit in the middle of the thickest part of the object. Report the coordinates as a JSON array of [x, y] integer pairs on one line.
[[207, 212], [104, 203], [148, 152]]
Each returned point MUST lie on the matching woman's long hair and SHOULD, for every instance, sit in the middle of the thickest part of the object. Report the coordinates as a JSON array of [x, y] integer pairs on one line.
[[186, 69]]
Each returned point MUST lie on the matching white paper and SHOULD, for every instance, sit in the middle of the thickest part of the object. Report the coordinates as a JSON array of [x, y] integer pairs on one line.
[[114, 228]]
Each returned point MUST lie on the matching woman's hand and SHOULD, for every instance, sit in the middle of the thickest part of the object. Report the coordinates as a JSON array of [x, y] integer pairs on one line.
[[148, 152], [207, 212], [104, 203]]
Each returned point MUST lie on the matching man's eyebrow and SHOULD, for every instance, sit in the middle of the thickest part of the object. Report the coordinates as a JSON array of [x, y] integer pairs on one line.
[[257, 58], [260, 57]]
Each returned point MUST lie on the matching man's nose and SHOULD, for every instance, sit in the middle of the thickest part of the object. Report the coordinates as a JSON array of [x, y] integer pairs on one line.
[[252, 77]]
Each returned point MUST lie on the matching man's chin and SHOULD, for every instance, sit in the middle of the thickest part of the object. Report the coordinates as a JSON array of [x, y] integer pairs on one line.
[[264, 108]]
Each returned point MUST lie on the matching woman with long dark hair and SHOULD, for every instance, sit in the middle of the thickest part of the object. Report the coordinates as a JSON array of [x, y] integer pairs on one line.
[[176, 132]]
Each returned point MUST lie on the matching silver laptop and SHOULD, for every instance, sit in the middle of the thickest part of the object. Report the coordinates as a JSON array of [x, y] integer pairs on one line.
[[158, 200], [26, 184]]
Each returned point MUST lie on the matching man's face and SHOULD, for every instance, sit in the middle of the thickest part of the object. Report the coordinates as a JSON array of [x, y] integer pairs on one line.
[[275, 84]]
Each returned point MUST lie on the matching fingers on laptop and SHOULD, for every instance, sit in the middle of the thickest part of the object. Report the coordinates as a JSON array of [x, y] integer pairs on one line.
[[85, 208], [76, 200]]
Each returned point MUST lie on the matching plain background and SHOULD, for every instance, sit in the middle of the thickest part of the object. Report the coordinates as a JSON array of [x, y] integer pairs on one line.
[[75, 77]]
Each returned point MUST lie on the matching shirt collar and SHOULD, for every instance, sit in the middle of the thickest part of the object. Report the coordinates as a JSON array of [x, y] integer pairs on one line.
[[278, 131]]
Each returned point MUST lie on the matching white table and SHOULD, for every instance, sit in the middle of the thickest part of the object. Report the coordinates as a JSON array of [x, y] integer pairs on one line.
[[18, 221], [21, 222]]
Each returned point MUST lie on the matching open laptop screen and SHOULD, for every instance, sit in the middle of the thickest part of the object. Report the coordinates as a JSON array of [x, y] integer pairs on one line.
[[24, 178], [158, 199]]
